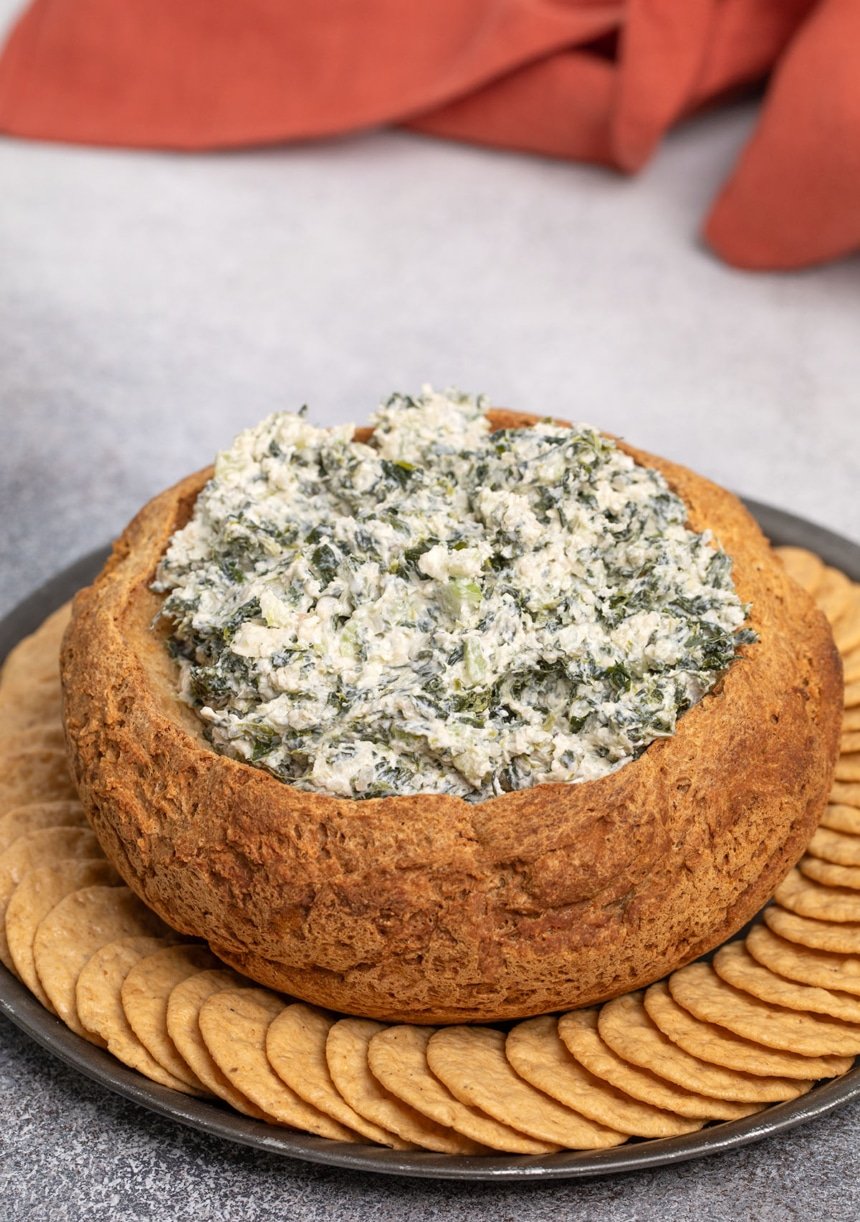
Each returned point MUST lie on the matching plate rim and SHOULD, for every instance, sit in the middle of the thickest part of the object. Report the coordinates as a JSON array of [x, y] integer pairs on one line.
[[215, 1119]]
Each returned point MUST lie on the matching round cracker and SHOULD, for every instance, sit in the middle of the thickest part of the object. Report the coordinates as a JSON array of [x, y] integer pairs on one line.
[[706, 996], [848, 767], [398, 1059], [828, 875], [75, 928], [578, 1030], [721, 1047], [842, 819], [626, 1026], [471, 1062], [837, 847], [144, 995], [295, 1046], [834, 594], [820, 935], [850, 719], [808, 899], [38, 815], [38, 892], [849, 742], [38, 654], [844, 793], [40, 848], [99, 1007], [43, 736], [346, 1054], [538, 1055], [734, 964], [851, 696], [802, 566], [807, 966], [846, 630], [23, 706], [35, 775], [851, 666], [233, 1023], [183, 1008]]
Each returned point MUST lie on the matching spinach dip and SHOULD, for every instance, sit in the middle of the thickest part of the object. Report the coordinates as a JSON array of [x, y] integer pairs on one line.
[[444, 609]]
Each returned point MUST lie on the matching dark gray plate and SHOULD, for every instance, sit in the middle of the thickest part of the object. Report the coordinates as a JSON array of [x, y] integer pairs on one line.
[[18, 1004]]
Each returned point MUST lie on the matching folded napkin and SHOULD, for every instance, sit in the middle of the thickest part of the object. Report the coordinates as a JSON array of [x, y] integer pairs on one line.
[[592, 80]]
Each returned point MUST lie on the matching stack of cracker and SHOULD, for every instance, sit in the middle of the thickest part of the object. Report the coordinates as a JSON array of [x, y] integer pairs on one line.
[[773, 1013]]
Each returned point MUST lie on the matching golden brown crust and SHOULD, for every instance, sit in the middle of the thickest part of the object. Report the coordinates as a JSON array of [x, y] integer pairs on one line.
[[427, 908]]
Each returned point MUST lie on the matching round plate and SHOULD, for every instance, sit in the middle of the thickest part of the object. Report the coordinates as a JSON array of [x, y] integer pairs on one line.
[[25, 1011]]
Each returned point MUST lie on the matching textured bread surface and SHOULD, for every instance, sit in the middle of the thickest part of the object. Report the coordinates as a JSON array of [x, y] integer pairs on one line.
[[427, 908]]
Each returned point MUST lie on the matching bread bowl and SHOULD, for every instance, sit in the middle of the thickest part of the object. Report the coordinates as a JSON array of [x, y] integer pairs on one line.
[[426, 907]]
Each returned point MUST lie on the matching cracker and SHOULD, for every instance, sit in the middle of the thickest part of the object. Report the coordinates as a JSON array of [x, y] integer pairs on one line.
[[398, 1059], [79, 925], [144, 994], [700, 991], [851, 666], [820, 935], [47, 735], [839, 848], [40, 848], [537, 1053], [829, 875], [99, 1008], [848, 767], [35, 775], [844, 793], [850, 719], [346, 1054], [38, 815], [471, 1062], [296, 1048], [183, 1007], [846, 630], [808, 966], [715, 1044], [578, 1030], [808, 899], [834, 594], [849, 742], [38, 655], [842, 819], [23, 706], [734, 964], [626, 1026], [38, 892], [851, 696], [233, 1023], [802, 566]]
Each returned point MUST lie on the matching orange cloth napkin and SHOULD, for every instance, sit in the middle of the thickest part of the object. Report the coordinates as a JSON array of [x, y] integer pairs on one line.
[[593, 80]]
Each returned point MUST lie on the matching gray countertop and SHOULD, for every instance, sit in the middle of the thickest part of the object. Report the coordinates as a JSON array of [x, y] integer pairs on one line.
[[151, 305]]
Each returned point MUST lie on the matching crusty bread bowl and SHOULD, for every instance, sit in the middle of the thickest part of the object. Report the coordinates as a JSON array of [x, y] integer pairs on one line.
[[428, 908]]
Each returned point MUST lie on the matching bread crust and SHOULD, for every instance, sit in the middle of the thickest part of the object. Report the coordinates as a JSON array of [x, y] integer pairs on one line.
[[427, 908]]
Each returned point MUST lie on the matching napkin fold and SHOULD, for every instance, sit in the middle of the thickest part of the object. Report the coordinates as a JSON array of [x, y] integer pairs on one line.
[[591, 80]]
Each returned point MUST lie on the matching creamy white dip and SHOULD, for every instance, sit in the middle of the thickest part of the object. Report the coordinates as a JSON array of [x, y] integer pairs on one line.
[[445, 609]]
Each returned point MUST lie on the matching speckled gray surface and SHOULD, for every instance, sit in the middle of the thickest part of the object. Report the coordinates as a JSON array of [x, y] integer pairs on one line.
[[152, 305]]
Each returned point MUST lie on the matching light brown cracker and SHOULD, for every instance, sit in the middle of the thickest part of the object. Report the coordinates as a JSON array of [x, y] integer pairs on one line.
[[722, 1047], [38, 655], [538, 1054], [849, 743], [802, 963], [820, 935], [79, 925], [834, 594], [850, 719], [398, 1059], [808, 899], [23, 706], [578, 1030], [627, 1027], [346, 1053], [851, 666], [842, 819], [38, 892], [35, 775], [43, 736], [736, 965], [851, 696], [471, 1062], [846, 630], [97, 1000], [848, 767], [38, 815], [829, 875], [39, 848], [296, 1048], [700, 991], [802, 566], [841, 849], [183, 1008], [233, 1023], [144, 995]]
